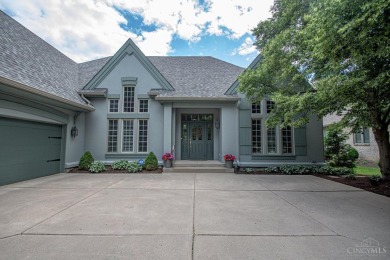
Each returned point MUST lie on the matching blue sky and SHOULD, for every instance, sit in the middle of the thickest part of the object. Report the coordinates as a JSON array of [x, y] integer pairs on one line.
[[87, 29]]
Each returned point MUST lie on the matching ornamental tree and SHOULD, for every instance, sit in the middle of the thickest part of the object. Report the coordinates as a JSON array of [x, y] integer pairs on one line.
[[321, 57]]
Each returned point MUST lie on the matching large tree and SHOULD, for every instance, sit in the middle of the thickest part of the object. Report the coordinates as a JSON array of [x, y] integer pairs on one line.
[[320, 57]]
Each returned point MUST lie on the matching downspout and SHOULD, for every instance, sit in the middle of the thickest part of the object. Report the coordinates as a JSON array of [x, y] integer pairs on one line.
[[85, 99]]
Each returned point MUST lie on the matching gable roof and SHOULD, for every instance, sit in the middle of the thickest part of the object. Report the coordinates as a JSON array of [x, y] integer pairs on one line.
[[233, 88], [129, 48], [28, 60]]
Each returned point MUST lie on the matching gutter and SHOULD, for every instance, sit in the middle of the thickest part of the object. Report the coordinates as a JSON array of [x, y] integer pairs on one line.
[[225, 99], [45, 94]]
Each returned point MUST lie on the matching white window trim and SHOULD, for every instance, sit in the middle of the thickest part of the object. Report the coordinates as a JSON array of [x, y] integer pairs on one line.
[[135, 103], [119, 105], [135, 136], [139, 105], [148, 136]]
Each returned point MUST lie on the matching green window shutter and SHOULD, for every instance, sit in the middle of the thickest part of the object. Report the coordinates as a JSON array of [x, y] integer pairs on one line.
[[300, 141]]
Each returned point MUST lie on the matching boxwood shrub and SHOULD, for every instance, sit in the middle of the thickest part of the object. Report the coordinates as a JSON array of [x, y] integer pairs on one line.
[[86, 160]]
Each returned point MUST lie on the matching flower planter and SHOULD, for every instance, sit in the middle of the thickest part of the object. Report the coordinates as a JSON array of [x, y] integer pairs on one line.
[[168, 164], [229, 164]]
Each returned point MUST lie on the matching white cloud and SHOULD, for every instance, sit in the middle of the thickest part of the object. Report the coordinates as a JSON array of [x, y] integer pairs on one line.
[[88, 29], [246, 48]]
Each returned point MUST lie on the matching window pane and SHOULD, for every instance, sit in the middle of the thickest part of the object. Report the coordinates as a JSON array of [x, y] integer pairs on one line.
[[144, 106], [270, 106], [358, 138], [128, 99], [256, 108], [112, 136], [271, 140], [114, 105], [128, 134], [366, 136], [143, 136], [256, 136], [287, 140]]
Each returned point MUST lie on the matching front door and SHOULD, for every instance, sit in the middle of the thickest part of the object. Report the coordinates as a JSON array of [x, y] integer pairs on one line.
[[197, 140], [197, 137]]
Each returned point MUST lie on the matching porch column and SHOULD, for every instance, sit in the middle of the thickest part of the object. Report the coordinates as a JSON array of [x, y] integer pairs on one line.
[[167, 127]]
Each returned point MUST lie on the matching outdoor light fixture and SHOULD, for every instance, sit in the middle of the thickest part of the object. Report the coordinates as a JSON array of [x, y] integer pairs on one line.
[[74, 131], [217, 124]]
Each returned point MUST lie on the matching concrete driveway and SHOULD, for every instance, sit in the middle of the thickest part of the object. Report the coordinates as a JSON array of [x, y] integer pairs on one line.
[[191, 216]]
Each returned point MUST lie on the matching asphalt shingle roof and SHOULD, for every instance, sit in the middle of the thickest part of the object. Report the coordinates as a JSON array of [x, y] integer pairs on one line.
[[190, 76], [27, 59]]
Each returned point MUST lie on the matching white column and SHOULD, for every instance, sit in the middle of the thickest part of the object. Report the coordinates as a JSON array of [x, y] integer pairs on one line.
[[167, 127]]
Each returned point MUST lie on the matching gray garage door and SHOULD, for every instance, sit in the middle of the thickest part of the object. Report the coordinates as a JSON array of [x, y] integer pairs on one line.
[[28, 150]]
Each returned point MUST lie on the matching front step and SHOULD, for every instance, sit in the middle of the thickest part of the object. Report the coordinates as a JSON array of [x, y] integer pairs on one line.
[[199, 167], [189, 169]]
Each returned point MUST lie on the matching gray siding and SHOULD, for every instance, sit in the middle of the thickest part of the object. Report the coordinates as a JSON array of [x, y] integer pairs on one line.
[[97, 121], [308, 143]]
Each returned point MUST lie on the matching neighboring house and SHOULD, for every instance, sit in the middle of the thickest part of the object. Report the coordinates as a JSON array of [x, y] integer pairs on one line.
[[53, 109], [363, 141]]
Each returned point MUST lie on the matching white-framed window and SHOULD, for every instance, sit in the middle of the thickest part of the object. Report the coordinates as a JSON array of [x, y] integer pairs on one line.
[[257, 147], [113, 105], [269, 140], [143, 106], [362, 137], [127, 136], [112, 145], [142, 136], [128, 99], [256, 108]]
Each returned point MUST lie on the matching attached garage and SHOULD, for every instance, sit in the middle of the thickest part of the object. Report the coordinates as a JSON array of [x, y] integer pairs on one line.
[[28, 150]]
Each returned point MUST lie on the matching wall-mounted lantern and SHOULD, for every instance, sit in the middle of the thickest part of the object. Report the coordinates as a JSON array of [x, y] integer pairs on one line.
[[74, 131]]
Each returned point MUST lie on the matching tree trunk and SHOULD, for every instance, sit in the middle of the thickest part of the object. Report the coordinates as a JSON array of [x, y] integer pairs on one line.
[[382, 138]]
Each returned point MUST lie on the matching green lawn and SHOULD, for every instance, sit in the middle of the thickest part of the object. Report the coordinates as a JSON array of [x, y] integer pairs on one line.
[[361, 170]]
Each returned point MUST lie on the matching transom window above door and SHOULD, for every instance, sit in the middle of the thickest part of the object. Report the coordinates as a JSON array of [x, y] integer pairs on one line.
[[197, 117]]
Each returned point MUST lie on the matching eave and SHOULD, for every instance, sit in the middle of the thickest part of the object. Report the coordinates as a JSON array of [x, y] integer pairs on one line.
[[40, 95]]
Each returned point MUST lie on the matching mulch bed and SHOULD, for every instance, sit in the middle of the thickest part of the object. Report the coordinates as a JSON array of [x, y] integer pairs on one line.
[[110, 170], [361, 182]]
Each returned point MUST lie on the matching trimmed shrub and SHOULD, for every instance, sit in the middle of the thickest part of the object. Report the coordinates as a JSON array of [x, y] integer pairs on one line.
[[151, 163], [134, 167], [86, 160], [353, 154], [337, 153], [97, 167], [120, 165]]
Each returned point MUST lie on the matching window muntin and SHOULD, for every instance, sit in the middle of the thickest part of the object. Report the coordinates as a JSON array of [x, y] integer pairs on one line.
[[287, 145], [256, 108], [271, 141], [270, 105], [143, 106], [362, 137], [142, 136], [128, 136], [113, 106], [256, 137], [128, 99], [112, 145]]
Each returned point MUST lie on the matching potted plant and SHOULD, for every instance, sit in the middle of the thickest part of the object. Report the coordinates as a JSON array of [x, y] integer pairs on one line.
[[167, 158], [229, 159]]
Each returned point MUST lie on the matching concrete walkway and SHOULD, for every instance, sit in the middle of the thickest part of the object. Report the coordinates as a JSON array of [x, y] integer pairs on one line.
[[191, 216]]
